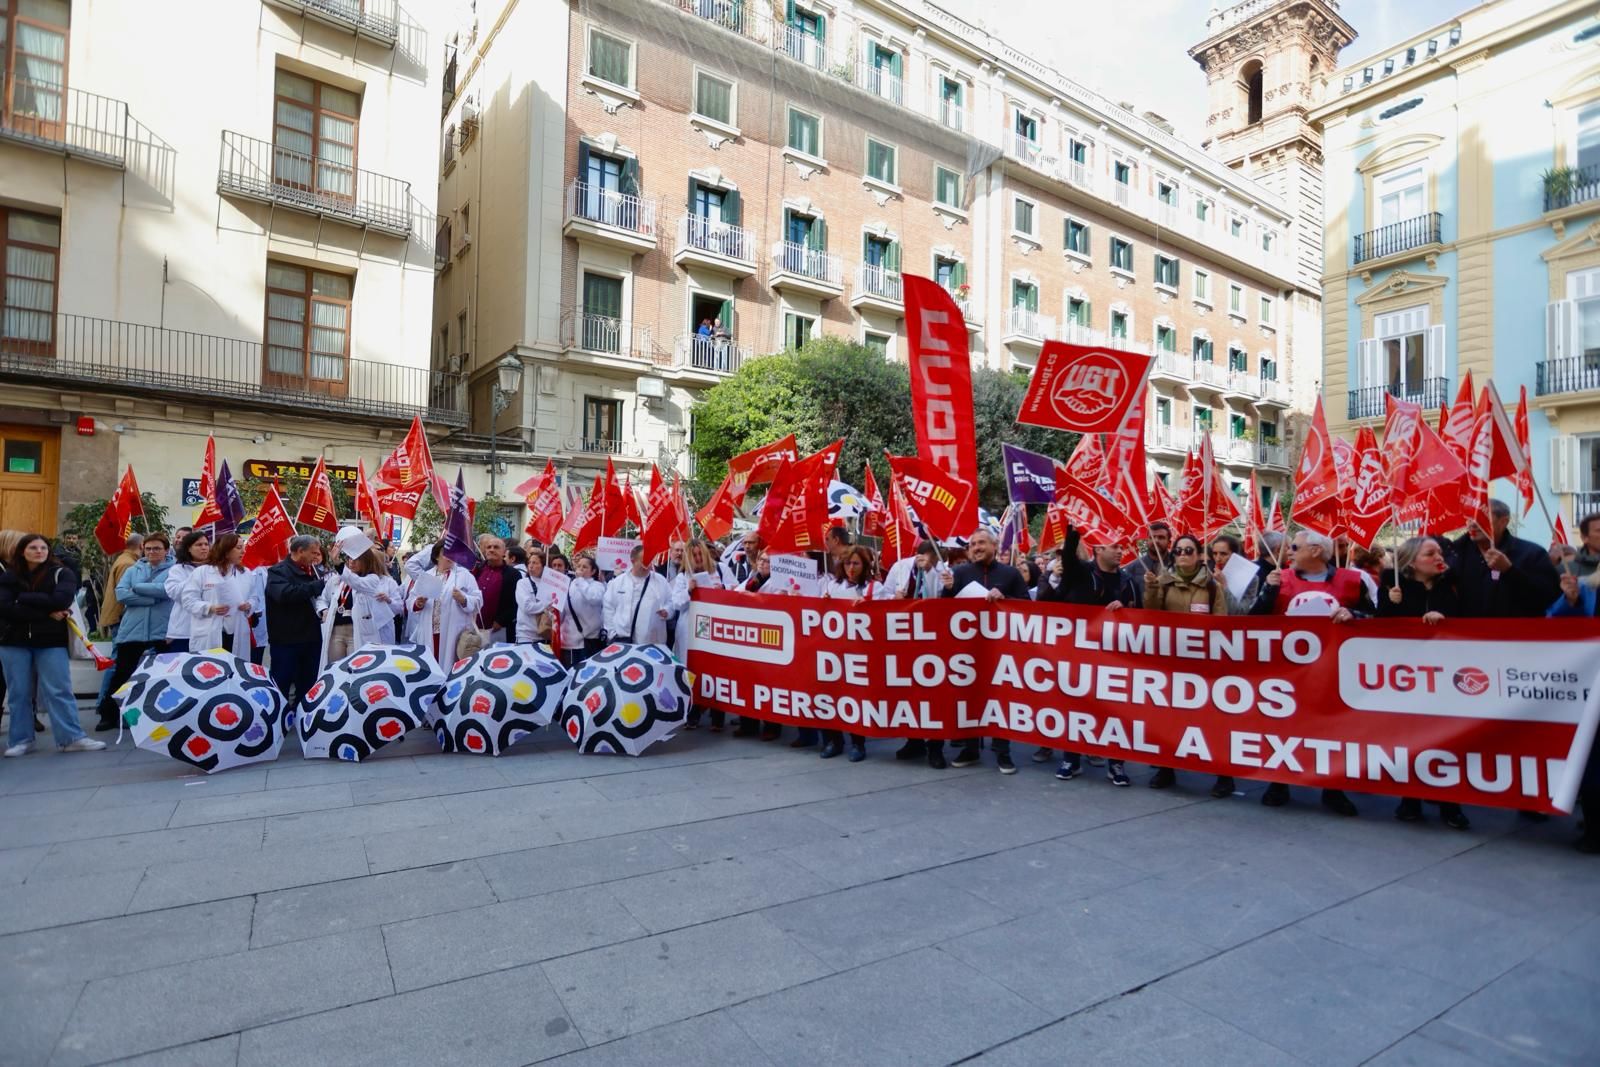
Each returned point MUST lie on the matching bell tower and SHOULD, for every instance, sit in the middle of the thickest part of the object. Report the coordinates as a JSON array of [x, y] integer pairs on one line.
[[1267, 63]]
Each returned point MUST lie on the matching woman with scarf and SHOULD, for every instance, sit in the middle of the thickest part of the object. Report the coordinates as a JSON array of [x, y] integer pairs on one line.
[[219, 598]]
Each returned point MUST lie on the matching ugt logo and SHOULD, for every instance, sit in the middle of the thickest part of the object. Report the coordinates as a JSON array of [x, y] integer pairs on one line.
[[1088, 387]]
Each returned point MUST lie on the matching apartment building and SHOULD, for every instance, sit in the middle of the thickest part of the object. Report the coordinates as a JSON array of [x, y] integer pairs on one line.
[[237, 245], [736, 178], [1463, 198]]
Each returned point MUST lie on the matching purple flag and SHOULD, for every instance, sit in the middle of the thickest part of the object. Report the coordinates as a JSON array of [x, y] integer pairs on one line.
[[457, 530], [1009, 531], [229, 503], [1030, 477]]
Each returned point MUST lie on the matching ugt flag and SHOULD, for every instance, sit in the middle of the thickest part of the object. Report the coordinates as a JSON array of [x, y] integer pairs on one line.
[[1075, 387]]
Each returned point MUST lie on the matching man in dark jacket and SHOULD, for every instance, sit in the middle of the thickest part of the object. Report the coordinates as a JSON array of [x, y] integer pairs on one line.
[[497, 581], [1156, 558], [1003, 582], [1503, 576], [294, 633]]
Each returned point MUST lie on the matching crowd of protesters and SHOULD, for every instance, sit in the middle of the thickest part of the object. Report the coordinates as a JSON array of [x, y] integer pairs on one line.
[[324, 602]]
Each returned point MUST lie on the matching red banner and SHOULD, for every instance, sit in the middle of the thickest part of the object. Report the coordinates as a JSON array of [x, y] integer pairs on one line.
[[941, 387], [1467, 712], [759, 465], [543, 497], [268, 542], [1075, 387]]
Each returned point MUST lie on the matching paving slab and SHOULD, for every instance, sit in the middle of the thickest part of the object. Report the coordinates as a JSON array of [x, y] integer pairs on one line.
[[713, 1038], [359, 902], [169, 885], [45, 902], [530, 872], [34, 1018], [134, 851], [686, 896], [261, 804], [1514, 1020]]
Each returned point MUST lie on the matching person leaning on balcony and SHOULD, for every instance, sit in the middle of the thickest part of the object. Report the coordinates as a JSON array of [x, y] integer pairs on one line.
[[142, 596], [723, 339], [36, 594]]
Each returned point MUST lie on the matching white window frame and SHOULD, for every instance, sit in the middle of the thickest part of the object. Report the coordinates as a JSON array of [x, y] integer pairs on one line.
[[961, 190], [730, 125], [1210, 206], [1111, 256], [1033, 217], [888, 341], [1574, 124], [892, 184], [1268, 312], [1236, 300], [1177, 270], [1372, 362], [633, 60], [1126, 312], [1177, 192], [821, 157], [1399, 181], [811, 335], [1086, 257], [1239, 221], [1202, 287]]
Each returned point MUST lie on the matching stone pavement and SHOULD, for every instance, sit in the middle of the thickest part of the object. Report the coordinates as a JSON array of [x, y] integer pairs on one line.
[[724, 901]]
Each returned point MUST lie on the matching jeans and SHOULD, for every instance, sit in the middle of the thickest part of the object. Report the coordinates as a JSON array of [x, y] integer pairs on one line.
[[294, 666], [52, 671]]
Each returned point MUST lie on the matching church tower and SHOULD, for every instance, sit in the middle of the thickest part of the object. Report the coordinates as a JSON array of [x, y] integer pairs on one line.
[[1267, 64]]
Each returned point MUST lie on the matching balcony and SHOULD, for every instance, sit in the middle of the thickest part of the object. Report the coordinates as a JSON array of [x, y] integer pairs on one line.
[[971, 310], [950, 115], [259, 170], [1369, 403], [128, 358], [1584, 503], [441, 247], [1397, 238], [878, 289], [740, 16], [1166, 438], [1027, 329], [605, 336], [1271, 393], [881, 83], [803, 47], [600, 446], [376, 20], [607, 217], [1026, 149], [715, 245], [69, 122], [1206, 377], [1240, 385], [1234, 451], [1078, 174], [1077, 334], [694, 352], [1272, 454], [1171, 367], [1578, 374], [806, 270], [1571, 185]]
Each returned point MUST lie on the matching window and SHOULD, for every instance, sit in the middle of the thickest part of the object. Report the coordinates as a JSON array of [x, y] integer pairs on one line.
[[1202, 286], [1167, 271], [1586, 148], [881, 161], [610, 59], [1167, 193], [1252, 74], [461, 336], [1236, 300], [949, 273], [950, 103], [1078, 152], [1078, 311], [1202, 420], [609, 185], [1200, 348], [1576, 332], [1235, 226], [805, 133], [1399, 196], [1202, 208], [1238, 426], [314, 136], [35, 65], [713, 98], [1166, 338], [443, 350], [1269, 370], [805, 246], [797, 329], [1266, 311], [1121, 255], [877, 343], [880, 253], [602, 313], [1022, 216], [1269, 435], [1238, 360], [31, 246], [1268, 239], [308, 324], [1076, 237], [1027, 128], [946, 187], [1119, 325], [1122, 172], [1403, 352], [602, 424], [1164, 417], [884, 66], [1024, 295]]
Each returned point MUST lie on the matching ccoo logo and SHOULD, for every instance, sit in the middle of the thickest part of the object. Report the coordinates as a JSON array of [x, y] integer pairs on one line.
[[1471, 681], [1088, 387]]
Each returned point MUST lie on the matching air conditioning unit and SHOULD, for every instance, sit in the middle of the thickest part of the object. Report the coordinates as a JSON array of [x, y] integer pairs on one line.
[[454, 363], [651, 388], [460, 243]]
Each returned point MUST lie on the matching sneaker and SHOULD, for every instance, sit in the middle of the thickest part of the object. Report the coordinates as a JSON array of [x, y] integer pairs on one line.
[[1041, 755], [19, 750], [1115, 774], [1223, 787], [1454, 817], [1164, 778], [1276, 796], [967, 757], [1068, 770], [83, 744], [1335, 801], [1006, 766], [1409, 810], [936, 759], [913, 749], [831, 749], [857, 754]]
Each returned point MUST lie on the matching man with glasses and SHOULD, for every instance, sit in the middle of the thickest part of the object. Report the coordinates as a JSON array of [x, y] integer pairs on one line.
[[1002, 581]]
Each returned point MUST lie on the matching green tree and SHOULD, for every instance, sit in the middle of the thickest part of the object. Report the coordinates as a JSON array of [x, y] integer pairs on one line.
[[428, 526], [82, 520]]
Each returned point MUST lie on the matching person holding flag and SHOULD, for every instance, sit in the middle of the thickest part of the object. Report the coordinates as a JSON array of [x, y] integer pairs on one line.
[[1502, 576]]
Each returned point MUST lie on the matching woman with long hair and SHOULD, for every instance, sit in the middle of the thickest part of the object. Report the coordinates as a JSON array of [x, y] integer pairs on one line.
[[855, 584], [36, 593], [582, 611], [9, 539], [535, 598], [194, 552], [361, 602], [699, 572], [1190, 588], [219, 598]]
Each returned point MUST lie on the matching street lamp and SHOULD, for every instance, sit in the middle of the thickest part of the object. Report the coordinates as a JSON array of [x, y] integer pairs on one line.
[[508, 382]]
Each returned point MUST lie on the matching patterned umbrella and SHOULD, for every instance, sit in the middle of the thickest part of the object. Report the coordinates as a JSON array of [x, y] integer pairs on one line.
[[207, 709], [499, 695], [625, 698], [367, 700], [844, 502]]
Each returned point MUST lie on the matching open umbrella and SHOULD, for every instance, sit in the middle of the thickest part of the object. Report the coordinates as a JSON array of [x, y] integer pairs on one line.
[[499, 695], [844, 502], [367, 700], [625, 698], [207, 709]]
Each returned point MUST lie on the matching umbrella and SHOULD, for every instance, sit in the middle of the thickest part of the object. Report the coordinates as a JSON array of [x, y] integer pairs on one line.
[[845, 503], [499, 695], [367, 700], [625, 698], [207, 709]]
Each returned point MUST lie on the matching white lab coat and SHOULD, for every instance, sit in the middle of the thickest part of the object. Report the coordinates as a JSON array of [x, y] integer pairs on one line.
[[842, 590], [900, 578], [179, 621], [623, 593], [231, 631], [532, 598], [582, 612], [372, 620], [452, 619], [258, 591], [682, 585]]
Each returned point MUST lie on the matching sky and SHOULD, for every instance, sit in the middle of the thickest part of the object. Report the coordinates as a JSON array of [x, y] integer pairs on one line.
[[1137, 50]]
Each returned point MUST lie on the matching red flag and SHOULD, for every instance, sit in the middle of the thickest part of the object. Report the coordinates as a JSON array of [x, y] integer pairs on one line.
[[1525, 475], [268, 542], [1480, 461], [872, 523], [680, 507], [940, 362], [1253, 524], [406, 472], [1220, 506], [1126, 453], [544, 504], [759, 465], [367, 500], [586, 532], [114, 526], [1418, 460], [716, 518], [577, 511], [1054, 532], [1508, 457], [1275, 520], [317, 507], [941, 499], [1316, 480], [900, 532], [1094, 516], [1344, 462], [794, 517], [630, 504], [1561, 537], [613, 508], [210, 512], [1461, 421], [1085, 389], [1189, 513], [1162, 505], [661, 522], [1372, 503], [1087, 463]]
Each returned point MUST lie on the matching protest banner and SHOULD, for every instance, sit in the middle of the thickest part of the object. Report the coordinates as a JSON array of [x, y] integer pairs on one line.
[[801, 570], [1467, 713], [615, 554]]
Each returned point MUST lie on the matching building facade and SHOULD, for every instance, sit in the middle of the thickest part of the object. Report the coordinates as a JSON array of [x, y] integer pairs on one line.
[[735, 178], [246, 253], [1463, 215]]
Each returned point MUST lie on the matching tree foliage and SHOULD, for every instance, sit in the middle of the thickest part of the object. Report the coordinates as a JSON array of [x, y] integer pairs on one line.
[[82, 520], [832, 388]]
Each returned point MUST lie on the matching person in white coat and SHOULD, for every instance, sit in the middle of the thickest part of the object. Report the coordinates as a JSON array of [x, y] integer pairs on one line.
[[453, 612], [193, 552], [258, 628], [637, 604], [582, 611], [858, 567], [535, 598], [699, 571], [219, 598], [359, 605]]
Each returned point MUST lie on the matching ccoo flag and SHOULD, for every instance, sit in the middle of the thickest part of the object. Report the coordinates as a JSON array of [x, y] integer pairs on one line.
[[940, 363]]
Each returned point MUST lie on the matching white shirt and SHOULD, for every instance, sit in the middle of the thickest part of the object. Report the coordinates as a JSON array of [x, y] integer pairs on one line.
[[582, 611], [682, 586], [623, 593], [532, 598], [842, 590]]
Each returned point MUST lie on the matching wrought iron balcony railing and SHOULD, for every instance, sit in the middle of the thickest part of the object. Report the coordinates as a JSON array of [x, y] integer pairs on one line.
[[1573, 375], [261, 170], [48, 115], [722, 354], [1575, 185], [133, 358], [378, 19], [1369, 403], [608, 207], [1397, 237], [716, 237], [878, 282], [607, 335], [791, 258]]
